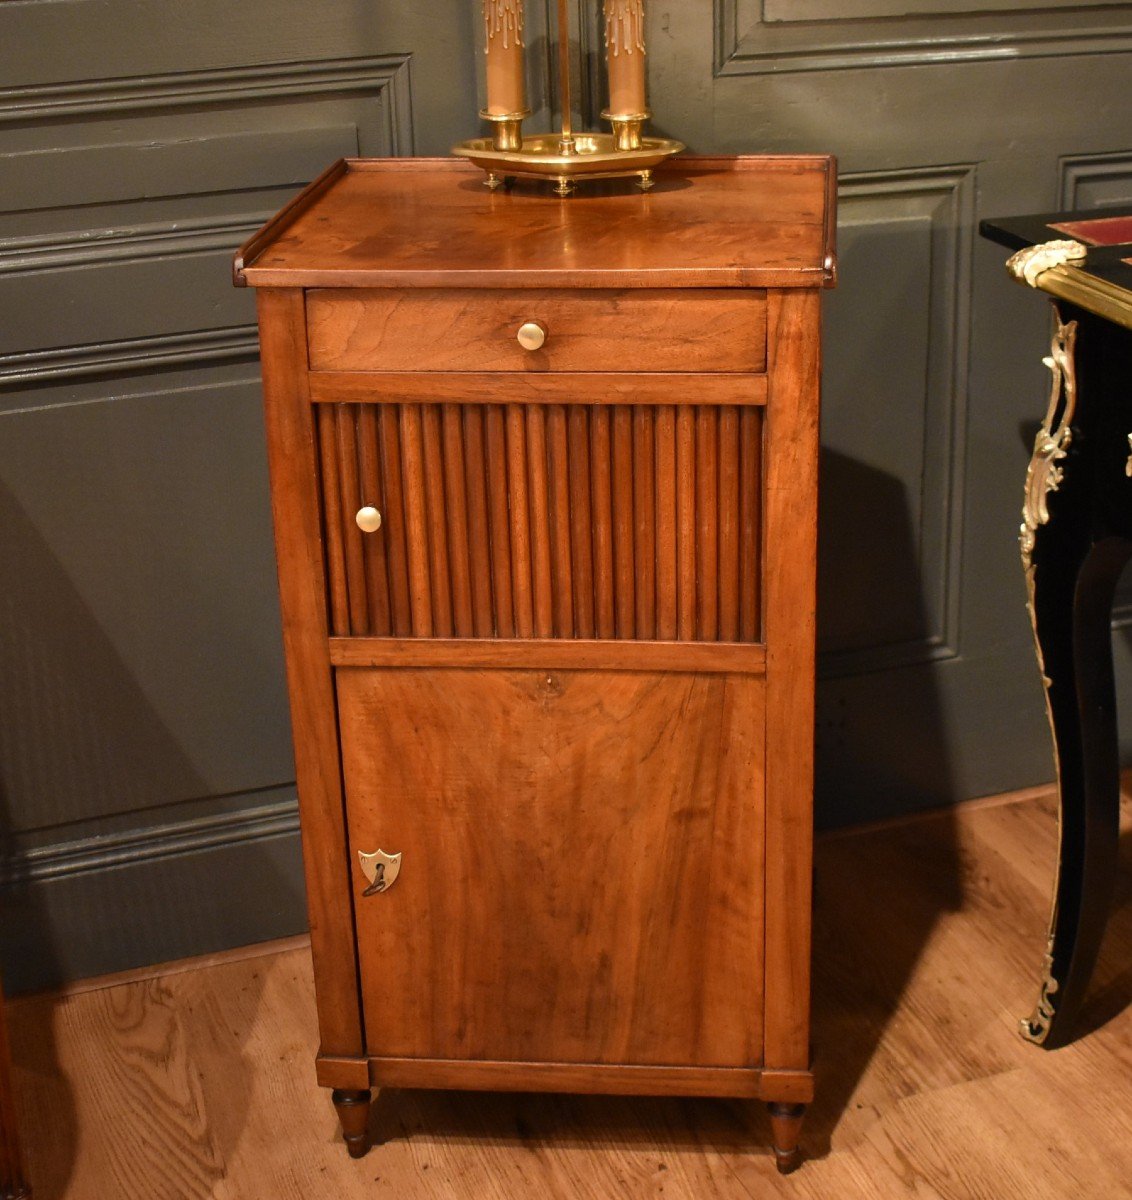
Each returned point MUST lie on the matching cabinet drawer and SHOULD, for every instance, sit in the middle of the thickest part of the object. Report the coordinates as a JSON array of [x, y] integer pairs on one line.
[[636, 522], [463, 330], [581, 863]]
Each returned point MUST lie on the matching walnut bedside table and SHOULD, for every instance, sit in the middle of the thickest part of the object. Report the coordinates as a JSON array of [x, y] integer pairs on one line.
[[544, 476]]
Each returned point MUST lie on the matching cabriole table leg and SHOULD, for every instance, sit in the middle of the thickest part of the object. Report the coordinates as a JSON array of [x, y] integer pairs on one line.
[[1072, 558]]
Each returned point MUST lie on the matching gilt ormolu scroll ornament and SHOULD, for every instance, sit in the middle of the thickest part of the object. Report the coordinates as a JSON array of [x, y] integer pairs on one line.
[[1051, 443], [1028, 265], [1044, 475], [1036, 1026]]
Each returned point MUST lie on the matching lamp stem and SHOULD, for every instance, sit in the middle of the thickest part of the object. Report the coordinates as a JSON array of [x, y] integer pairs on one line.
[[564, 75]]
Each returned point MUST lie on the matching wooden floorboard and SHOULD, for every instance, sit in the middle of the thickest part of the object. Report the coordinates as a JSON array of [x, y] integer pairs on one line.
[[197, 1080]]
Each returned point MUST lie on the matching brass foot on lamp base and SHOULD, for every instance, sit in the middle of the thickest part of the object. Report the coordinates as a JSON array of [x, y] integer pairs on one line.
[[646, 181], [563, 187]]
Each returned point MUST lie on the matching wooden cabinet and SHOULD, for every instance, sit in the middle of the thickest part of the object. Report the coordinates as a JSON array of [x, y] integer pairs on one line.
[[544, 478]]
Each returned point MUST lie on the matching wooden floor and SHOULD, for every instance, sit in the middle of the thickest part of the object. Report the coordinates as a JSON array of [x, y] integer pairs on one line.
[[198, 1081]]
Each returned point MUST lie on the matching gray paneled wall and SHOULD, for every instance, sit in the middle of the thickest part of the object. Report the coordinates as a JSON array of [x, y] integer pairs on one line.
[[146, 799], [940, 115], [146, 785]]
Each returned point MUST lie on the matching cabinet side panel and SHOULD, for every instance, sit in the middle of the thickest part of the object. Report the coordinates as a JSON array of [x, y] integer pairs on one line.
[[302, 591], [581, 863], [790, 548]]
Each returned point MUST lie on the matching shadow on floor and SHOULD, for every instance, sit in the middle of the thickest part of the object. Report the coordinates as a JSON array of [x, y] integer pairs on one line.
[[1111, 990], [81, 743]]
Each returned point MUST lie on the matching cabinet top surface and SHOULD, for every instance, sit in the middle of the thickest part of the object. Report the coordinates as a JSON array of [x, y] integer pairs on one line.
[[709, 222]]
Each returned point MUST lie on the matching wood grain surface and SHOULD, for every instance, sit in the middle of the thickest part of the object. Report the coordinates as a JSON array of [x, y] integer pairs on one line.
[[534, 387], [790, 570], [579, 894], [586, 846], [292, 454], [715, 330], [599, 1079], [771, 223], [555, 653], [195, 1082]]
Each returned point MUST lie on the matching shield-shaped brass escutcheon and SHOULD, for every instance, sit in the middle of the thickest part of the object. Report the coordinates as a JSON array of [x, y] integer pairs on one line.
[[380, 869]]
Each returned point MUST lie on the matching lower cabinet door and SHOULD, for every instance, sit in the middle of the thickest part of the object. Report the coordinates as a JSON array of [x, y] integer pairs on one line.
[[581, 863]]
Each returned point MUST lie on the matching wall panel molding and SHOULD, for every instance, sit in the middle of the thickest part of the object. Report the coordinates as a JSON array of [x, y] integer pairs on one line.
[[145, 244], [197, 348], [135, 680], [145, 728], [80, 910], [1088, 180], [125, 244], [384, 74], [142, 243], [749, 44], [99, 851], [940, 201]]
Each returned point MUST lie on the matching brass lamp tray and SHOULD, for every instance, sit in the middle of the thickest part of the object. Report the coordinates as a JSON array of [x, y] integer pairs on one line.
[[595, 155]]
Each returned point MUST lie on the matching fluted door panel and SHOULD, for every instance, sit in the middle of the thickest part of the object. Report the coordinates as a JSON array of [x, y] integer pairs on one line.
[[544, 520]]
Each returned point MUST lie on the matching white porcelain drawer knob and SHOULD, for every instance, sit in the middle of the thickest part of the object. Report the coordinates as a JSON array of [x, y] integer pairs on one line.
[[368, 519], [532, 335]]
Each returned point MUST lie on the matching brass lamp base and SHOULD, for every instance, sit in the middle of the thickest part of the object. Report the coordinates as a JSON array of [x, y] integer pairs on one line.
[[550, 156]]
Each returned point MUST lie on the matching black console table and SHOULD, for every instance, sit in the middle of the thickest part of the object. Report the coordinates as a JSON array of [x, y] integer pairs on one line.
[[1076, 536]]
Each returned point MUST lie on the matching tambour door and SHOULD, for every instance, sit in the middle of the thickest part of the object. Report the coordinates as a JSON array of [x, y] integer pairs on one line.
[[574, 521], [581, 863]]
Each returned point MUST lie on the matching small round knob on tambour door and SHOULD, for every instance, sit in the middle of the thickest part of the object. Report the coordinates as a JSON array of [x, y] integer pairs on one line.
[[368, 519], [532, 335]]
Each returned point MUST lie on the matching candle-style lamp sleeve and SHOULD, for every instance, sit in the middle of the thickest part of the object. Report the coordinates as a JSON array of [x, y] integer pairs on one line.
[[503, 43], [625, 55]]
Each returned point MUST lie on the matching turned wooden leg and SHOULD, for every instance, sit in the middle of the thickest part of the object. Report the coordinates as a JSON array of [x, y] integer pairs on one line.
[[353, 1113], [786, 1129]]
